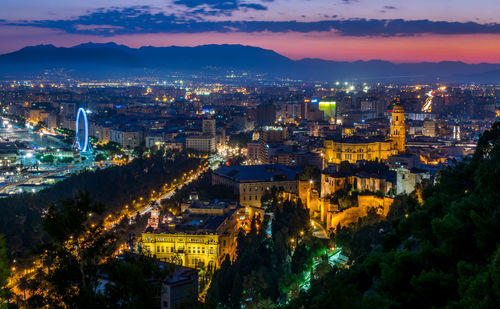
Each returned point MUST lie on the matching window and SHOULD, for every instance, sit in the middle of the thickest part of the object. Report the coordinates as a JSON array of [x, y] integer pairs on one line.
[[171, 249], [157, 248], [203, 250]]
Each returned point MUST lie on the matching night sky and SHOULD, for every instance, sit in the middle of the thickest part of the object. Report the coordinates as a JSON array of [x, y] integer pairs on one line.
[[395, 30]]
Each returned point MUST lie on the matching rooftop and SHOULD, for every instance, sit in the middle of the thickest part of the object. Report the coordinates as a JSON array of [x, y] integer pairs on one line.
[[256, 173]]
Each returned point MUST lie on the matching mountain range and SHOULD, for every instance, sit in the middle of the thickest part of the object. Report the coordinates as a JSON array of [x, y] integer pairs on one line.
[[110, 60]]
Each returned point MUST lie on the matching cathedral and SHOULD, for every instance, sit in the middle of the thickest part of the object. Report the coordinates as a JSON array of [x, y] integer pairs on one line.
[[355, 149]]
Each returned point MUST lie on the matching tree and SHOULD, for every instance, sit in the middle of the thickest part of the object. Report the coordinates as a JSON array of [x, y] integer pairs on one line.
[[4, 273], [67, 269], [135, 281], [441, 253]]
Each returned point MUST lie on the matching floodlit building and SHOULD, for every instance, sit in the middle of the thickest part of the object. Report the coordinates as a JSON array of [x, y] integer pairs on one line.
[[333, 181], [200, 238], [398, 128], [408, 179], [354, 149]]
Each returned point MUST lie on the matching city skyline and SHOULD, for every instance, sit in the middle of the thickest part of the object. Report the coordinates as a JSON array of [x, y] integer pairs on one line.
[[397, 31]]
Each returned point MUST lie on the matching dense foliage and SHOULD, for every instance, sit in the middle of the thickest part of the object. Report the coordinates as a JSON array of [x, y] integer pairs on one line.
[[442, 253], [73, 269], [266, 265], [4, 274], [115, 187]]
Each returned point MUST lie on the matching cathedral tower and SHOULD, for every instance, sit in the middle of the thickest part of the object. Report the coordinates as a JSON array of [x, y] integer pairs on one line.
[[398, 129]]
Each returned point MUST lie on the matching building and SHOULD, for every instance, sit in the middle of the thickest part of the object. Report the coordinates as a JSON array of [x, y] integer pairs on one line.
[[251, 182], [202, 143], [181, 289], [64, 154], [253, 150], [332, 181], [354, 149], [266, 114], [408, 179], [52, 121], [208, 127], [38, 115], [328, 108], [273, 135], [200, 238], [128, 138], [403, 160], [100, 132], [153, 141], [398, 128], [429, 128], [9, 155]]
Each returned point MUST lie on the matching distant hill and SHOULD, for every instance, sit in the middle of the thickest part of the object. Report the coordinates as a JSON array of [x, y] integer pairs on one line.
[[112, 60]]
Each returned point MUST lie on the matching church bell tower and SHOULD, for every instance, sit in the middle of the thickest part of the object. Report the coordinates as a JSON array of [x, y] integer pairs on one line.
[[398, 129]]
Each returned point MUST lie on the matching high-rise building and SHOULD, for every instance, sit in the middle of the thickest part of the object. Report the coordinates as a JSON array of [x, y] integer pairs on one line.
[[304, 108], [266, 114], [208, 127], [398, 128]]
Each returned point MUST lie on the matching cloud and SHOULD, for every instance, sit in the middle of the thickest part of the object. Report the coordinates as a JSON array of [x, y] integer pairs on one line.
[[254, 6], [144, 19], [390, 7], [219, 7]]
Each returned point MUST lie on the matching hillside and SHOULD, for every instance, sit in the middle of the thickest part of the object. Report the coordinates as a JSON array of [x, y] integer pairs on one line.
[[109, 60]]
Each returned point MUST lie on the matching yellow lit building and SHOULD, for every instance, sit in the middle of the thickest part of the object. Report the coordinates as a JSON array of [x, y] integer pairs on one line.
[[186, 249], [200, 238], [355, 149], [398, 128]]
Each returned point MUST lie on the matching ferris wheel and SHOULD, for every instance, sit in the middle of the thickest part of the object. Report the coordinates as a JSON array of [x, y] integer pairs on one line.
[[82, 134]]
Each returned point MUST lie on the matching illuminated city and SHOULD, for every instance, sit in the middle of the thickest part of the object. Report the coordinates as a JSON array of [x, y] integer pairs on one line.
[[249, 154]]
